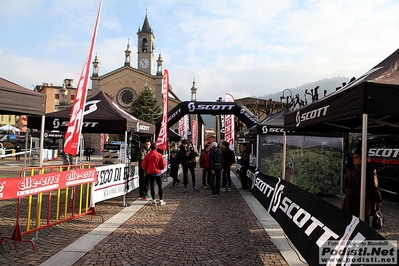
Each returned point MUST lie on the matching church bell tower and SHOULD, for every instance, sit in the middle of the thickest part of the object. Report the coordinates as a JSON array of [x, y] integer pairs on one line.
[[145, 47]]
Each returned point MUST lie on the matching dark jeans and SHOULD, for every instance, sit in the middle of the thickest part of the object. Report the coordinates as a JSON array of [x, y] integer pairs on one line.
[[226, 176], [243, 177], [187, 167], [158, 179], [206, 174], [174, 169], [143, 183], [215, 181]]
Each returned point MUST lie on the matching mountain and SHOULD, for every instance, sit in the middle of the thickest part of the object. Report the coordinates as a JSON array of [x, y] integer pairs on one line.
[[328, 84]]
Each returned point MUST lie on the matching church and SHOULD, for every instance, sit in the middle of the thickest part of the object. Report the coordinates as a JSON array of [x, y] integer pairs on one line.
[[123, 84]]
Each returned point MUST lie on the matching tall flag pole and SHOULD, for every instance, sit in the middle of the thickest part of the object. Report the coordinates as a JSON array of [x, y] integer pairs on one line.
[[72, 136], [163, 131], [229, 124]]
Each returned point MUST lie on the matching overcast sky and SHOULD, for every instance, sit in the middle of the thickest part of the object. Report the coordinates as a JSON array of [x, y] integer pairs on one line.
[[246, 48]]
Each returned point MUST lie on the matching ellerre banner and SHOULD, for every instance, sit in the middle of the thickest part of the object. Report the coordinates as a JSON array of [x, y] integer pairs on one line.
[[11, 188], [308, 221]]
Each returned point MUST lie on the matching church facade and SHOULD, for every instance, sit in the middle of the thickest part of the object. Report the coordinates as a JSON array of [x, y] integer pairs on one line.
[[124, 84]]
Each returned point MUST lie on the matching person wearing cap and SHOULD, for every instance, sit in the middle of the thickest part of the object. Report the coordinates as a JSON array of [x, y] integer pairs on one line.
[[216, 157]]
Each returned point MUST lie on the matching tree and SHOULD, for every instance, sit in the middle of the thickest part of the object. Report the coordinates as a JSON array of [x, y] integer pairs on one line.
[[146, 106]]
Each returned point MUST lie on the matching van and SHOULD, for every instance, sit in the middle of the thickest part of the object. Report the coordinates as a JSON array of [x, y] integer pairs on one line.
[[383, 154]]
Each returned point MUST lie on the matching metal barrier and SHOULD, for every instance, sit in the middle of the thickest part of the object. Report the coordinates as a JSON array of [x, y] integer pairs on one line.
[[72, 200]]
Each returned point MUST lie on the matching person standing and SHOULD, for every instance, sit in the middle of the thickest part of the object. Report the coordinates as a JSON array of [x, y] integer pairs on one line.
[[187, 155], [174, 164], [351, 188], [153, 163], [205, 164], [216, 157], [244, 162], [228, 160], [87, 152], [18, 149], [143, 179]]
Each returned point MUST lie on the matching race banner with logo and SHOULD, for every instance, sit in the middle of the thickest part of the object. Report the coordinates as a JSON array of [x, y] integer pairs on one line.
[[112, 182], [103, 140], [194, 136], [163, 132], [229, 128], [183, 127], [312, 223], [11, 188], [72, 136]]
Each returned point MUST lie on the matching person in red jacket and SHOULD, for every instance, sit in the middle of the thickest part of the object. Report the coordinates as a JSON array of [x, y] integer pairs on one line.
[[153, 163], [205, 163]]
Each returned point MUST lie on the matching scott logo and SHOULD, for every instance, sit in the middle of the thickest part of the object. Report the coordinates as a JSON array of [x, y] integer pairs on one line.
[[56, 123], [209, 107], [265, 130], [322, 111], [384, 152]]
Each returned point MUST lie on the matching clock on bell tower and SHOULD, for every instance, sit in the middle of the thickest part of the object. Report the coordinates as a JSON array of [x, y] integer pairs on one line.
[[145, 47]]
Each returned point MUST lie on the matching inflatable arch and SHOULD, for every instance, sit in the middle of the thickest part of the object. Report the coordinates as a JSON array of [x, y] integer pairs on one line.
[[211, 108]]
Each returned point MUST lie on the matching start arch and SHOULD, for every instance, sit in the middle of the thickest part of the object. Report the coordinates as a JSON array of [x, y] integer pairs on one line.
[[209, 108]]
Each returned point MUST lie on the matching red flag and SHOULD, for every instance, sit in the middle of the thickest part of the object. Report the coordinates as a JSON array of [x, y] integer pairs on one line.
[[229, 124], [163, 131], [72, 136]]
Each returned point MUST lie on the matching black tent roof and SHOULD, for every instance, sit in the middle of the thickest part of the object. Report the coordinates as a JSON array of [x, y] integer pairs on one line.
[[101, 116], [376, 93], [16, 99], [272, 124]]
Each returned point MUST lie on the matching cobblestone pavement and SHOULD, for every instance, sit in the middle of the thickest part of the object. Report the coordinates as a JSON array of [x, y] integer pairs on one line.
[[191, 229]]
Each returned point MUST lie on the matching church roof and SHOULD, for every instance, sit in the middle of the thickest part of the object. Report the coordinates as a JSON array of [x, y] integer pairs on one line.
[[146, 26]]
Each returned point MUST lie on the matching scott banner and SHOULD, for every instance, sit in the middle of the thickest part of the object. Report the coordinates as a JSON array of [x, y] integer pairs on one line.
[[312, 223]]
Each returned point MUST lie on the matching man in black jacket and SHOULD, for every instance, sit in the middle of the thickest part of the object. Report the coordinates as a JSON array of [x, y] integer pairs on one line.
[[228, 159], [216, 157], [186, 155]]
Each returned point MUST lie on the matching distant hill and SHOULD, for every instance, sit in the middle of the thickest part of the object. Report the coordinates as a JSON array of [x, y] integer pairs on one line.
[[328, 84]]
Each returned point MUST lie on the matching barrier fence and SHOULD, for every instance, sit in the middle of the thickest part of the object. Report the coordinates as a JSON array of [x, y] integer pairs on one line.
[[69, 185]]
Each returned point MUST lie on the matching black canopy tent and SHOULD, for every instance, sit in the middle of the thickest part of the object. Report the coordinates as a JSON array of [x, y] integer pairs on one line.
[[101, 116], [376, 93], [17, 100], [368, 104]]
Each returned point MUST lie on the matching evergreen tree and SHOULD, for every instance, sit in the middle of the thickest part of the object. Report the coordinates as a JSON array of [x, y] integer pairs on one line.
[[146, 106]]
